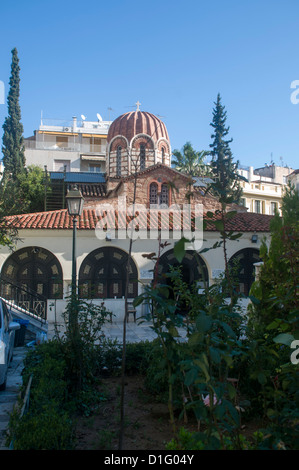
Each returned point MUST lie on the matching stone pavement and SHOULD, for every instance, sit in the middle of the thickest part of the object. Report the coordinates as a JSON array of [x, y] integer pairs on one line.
[[135, 332]]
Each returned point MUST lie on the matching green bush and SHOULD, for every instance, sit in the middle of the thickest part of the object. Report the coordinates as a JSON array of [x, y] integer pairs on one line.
[[48, 429], [47, 424]]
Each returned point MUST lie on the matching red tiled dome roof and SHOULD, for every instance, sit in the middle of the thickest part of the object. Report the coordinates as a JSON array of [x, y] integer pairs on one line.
[[137, 122]]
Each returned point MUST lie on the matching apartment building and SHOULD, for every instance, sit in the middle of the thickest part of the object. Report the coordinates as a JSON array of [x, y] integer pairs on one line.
[[263, 191], [74, 146]]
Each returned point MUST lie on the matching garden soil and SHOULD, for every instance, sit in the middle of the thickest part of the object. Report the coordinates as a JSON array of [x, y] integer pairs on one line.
[[147, 425]]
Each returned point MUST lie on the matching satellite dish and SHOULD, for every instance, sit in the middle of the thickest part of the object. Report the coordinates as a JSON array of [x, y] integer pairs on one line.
[[99, 117], [83, 117]]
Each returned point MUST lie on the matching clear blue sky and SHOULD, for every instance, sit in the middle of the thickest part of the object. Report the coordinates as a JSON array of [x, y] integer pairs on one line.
[[173, 56]]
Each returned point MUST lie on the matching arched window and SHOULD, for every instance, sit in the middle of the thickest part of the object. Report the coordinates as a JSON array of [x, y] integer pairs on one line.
[[35, 269], [142, 156], [193, 270], [153, 193], [193, 267], [103, 274], [118, 161], [29, 277], [164, 198], [163, 155], [242, 268]]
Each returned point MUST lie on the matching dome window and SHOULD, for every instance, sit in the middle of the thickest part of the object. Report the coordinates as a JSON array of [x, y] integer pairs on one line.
[[118, 161], [142, 156]]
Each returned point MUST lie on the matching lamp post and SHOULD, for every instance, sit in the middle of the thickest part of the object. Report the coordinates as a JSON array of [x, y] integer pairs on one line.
[[75, 202]]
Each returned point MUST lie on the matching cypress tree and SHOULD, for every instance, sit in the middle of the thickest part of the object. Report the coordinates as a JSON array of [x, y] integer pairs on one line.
[[13, 148], [226, 186]]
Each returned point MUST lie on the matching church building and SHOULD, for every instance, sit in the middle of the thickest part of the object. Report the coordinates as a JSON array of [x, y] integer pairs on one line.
[[138, 180]]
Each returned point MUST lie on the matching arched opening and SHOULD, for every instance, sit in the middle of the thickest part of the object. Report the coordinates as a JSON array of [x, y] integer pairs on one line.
[[193, 270], [163, 155], [242, 266], [103, 274], [118, 161], [153, 193], [142, 156], [36, 270], [164, 198]]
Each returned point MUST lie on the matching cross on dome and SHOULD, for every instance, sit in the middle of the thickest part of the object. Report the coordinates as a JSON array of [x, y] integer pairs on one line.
[[138, 104]]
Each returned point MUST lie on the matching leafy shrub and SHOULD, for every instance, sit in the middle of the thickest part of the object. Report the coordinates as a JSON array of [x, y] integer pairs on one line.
[[47, 424], [48, 429]]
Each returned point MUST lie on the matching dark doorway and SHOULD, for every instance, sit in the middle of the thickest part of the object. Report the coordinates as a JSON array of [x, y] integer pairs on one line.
[[242, 265], [193, 270], [103, 274], [36, 270]]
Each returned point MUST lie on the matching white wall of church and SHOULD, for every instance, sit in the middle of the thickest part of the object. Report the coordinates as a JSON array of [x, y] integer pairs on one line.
[[59, 242]]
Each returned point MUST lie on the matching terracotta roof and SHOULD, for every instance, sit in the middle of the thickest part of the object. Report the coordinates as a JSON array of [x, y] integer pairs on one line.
[[137, 122], [60, 219], [92, 190]]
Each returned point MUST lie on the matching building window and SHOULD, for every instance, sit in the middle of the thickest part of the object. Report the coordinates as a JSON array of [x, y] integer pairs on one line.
[[273, 208], [163, 155], [95, 168], [61, 165], [257, 207], [118, 161], [153, 193], [103, 274], [164, 199], [243, 201], [37, 270], [142, 156], [62, 141], [159, 198]]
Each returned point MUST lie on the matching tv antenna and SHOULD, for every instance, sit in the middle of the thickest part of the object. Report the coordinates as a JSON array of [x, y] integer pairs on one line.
[[109, 109]]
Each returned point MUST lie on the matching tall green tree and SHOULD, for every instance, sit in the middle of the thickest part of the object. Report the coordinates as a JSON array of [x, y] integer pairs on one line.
[[190, 161], [226, 186], [13, 147]]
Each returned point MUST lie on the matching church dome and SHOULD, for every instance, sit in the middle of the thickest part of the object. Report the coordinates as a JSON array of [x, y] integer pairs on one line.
[[138, 122]]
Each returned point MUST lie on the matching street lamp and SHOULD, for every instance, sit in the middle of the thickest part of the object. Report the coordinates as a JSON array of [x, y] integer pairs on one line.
[[75, 203]]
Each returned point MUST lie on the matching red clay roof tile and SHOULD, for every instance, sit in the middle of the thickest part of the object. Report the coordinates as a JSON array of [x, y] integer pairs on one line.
[[60, 220]]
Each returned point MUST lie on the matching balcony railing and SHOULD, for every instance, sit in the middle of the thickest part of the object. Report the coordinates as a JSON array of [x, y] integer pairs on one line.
[[65, 147]]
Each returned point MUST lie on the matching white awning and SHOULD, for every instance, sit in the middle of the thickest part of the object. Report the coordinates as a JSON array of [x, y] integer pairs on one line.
[[94, 158]]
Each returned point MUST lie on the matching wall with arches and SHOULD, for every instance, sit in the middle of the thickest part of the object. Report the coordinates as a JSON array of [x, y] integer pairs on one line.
[[59, 244], [125, 158]]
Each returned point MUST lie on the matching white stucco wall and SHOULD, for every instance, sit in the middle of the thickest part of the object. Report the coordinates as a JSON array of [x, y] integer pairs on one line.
[[59, 242]]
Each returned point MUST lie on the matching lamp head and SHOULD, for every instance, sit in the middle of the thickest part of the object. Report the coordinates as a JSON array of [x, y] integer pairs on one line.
[[75, 201]]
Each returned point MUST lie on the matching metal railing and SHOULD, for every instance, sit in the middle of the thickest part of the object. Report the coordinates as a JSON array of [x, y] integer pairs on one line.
[[65, 146], [24, 299]]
